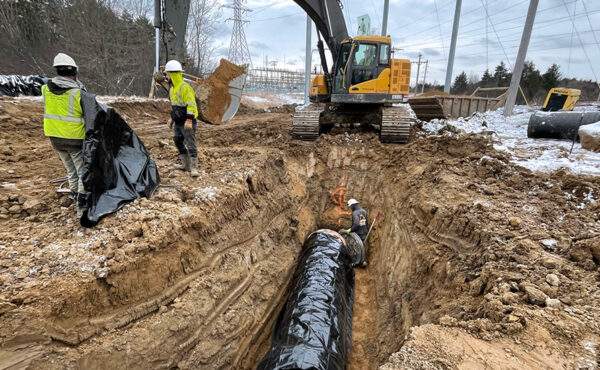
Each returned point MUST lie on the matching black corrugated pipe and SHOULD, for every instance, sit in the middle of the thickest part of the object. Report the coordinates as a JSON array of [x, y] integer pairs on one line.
[[314, 328]]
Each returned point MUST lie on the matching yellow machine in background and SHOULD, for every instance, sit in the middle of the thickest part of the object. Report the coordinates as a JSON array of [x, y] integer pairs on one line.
[[561, 99]]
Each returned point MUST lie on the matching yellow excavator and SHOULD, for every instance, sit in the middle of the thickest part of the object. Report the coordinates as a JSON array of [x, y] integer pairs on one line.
[[363, 84]]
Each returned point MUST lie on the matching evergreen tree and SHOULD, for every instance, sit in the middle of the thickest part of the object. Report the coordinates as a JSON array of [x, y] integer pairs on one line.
[[461, 84], [552, 77], [487, 80], [501, 75], [531, 80]]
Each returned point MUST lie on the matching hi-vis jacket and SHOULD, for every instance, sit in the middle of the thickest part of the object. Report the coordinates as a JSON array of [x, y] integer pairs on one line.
[[183, 99], [63, 116]]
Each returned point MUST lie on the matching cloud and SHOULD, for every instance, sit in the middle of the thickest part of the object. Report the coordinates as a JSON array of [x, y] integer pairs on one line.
[[258, 45], [430, 52], [414, 26]]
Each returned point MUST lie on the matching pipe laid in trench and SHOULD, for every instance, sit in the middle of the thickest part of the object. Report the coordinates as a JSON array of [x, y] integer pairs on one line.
[[314, 328], [559, 125]]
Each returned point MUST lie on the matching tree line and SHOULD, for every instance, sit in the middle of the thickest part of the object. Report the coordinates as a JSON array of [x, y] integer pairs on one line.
[[112, 41], [534, 84]]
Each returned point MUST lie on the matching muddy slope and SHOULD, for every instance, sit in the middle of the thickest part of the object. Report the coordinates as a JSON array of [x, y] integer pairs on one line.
[[471, 254]]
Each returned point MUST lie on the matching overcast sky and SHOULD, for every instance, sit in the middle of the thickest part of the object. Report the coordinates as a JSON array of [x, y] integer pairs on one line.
[[277, 29]]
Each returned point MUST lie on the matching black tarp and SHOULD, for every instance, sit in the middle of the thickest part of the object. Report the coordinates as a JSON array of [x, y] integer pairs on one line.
[[314, 328], [117, 168], [13, 85]]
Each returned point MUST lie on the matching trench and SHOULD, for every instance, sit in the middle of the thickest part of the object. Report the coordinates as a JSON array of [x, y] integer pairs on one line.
[[228, 278]]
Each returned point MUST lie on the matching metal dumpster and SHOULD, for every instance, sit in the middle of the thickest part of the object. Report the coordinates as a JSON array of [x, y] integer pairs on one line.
[[445, 106]]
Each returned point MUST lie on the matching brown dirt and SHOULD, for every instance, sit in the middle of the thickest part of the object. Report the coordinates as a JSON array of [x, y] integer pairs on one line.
[[474, 263], [212, 93], [432, 93]]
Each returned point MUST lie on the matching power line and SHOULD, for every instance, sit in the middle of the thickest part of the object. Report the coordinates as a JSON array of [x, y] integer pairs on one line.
[[539, 25], [406, 25], [282, 16], [581, 42], [590, 23], [440, 27], [571, 43]]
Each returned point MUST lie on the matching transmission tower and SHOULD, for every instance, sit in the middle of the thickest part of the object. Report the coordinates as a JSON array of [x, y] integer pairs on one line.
[[238, 48]]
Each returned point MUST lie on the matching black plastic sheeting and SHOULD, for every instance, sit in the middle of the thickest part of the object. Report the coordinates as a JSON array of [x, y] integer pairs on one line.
[[13, 85], [314, 328], [117, 168]]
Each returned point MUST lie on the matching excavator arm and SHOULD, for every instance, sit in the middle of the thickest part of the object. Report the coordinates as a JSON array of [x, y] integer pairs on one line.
[[329, 19], [171, 17]]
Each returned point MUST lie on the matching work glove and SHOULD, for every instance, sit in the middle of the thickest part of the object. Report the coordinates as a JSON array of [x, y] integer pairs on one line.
[[188, 125], [170, 123]]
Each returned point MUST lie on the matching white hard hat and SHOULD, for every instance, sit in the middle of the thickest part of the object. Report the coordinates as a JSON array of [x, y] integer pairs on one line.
[[63, 60], [352, 201], [173, 66]]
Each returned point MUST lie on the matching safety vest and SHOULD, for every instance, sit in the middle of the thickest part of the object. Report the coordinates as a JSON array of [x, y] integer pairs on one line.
[[182, 99], [63, 116]]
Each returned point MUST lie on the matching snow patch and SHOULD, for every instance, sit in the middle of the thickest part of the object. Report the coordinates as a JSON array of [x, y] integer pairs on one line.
[[510, 135]]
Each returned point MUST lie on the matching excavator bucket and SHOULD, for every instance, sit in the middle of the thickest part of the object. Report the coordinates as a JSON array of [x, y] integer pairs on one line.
[[236, 86]]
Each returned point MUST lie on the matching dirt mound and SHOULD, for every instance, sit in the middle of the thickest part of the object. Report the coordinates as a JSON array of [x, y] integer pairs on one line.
[[286, 108], [248, 110], [471, 254], [212, 93], [431, 93]]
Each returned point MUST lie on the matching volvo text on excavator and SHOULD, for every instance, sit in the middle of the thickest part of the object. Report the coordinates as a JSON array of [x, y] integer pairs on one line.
[[363, 84]]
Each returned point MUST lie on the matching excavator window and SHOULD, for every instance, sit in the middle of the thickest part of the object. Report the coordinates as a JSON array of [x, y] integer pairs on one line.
[[365, 63], [341, 63], [365, 55], [384, 54]]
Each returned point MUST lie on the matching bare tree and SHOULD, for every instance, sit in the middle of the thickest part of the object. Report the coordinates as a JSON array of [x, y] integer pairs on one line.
[[136, 8], [202, 26]]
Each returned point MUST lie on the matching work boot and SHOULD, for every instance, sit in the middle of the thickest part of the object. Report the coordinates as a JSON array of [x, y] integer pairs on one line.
[[194, 167], [81, 204], [185, 163]]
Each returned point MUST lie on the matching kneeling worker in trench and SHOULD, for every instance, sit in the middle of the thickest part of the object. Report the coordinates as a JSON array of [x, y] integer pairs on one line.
[[357, 233], [183, 118]]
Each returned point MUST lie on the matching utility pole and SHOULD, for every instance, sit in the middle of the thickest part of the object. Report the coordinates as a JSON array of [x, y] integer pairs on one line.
[[424, 76], [519, 64], [418, 70], [386, 8], [308, 60], [452, 47]]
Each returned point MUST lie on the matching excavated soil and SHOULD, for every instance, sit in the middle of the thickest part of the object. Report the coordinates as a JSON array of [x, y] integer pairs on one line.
[[474, 262]]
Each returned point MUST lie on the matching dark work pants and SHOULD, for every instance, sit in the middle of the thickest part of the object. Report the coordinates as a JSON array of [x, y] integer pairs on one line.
[[185, 141]]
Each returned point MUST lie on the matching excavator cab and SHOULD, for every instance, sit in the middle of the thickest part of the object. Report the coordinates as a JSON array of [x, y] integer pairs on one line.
[[365, 73], [362, 85]]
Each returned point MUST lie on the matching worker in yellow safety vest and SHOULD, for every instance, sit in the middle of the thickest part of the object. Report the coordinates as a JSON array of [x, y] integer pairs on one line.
[[63, 122], [183, 118]]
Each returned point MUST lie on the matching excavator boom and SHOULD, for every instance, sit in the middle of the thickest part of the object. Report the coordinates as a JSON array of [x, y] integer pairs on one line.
[[329, 19]]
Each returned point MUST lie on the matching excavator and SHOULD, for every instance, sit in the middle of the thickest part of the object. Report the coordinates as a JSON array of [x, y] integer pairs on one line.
[[361, 87], [363, 84]]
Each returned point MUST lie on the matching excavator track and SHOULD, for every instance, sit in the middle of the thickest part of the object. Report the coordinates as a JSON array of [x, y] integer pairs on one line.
[[306, 125], [395, 125]]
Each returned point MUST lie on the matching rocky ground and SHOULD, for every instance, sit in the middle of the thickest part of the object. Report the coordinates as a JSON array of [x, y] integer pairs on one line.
[[476, 262]]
